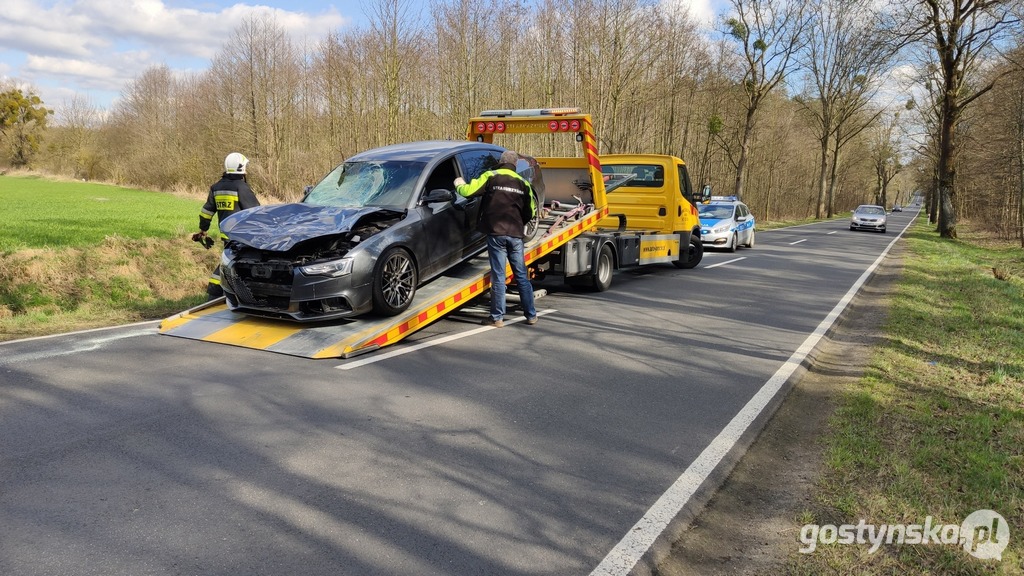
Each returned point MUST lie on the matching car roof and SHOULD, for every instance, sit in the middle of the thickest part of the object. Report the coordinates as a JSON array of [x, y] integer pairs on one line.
[[423, 151]]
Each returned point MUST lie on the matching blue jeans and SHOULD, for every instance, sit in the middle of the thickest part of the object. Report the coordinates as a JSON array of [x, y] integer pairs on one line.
[[500, 249]]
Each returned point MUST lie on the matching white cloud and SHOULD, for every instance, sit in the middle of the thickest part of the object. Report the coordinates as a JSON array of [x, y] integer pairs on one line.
[[702, 11], [101, 44]]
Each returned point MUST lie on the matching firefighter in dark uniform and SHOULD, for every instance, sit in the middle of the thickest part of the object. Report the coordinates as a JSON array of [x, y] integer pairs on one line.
[[228, 195]]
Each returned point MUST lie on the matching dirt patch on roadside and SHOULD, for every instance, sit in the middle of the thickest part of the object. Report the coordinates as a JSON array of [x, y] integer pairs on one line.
[[750, 526]]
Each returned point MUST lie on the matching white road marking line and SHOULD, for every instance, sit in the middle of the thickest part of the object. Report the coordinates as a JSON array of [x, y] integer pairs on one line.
[[428, 344], [798, 241], [75, 348], [832, 232], [625, 555], [726, 262], [49, 336]]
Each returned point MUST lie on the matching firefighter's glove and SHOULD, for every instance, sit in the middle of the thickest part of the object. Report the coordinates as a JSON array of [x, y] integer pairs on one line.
[[203, 239]]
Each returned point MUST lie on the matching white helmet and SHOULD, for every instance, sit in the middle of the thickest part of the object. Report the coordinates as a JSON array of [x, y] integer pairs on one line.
[[235, 163]]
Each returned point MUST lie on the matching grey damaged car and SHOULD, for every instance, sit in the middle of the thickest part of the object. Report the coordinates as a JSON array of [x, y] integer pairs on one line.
[[365, 237]]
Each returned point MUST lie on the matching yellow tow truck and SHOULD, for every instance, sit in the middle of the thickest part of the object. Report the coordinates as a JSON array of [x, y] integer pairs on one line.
[[645, 204]]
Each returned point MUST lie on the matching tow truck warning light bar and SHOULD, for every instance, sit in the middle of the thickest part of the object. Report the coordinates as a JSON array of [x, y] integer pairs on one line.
[[554, 126], [532, 112], [565, 120]]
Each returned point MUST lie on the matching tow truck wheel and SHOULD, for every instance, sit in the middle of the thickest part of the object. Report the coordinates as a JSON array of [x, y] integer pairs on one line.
[[693, 256], [394, 282], [605, 269]]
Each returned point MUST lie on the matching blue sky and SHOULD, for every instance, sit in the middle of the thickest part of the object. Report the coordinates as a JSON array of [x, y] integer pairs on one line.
[[92, 48]]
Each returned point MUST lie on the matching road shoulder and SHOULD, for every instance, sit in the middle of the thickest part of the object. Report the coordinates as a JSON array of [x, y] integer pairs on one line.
[[750, 525]]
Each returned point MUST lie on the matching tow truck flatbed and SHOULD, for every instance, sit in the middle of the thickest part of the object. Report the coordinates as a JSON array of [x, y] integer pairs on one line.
[[214, 322]]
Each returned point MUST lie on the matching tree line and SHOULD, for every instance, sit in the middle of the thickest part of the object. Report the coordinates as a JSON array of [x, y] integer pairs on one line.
[[791, 104]]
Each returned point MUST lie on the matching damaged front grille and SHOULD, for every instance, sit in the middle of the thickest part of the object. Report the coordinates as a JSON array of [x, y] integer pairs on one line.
[[259, 283]]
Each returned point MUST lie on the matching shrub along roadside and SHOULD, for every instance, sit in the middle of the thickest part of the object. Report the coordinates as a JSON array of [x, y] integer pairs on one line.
[[936, 425]]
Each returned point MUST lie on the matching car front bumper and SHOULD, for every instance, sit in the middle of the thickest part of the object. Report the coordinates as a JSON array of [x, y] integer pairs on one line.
[[867, 225], [285, 292], [713, 238]]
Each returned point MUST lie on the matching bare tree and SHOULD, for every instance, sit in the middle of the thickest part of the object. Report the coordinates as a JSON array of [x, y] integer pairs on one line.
[[75, 144], [843, 62], [769, 33], [256, 75], [397, 33], [885, 156], [961, 34]]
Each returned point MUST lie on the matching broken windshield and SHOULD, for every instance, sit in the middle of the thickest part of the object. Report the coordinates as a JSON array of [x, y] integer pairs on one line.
[[388, 184]]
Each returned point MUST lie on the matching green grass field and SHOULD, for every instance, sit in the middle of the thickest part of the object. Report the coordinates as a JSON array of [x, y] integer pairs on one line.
[[54, 214]]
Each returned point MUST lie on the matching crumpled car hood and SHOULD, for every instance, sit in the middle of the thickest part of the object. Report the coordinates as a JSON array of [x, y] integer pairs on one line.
[[281, 226]]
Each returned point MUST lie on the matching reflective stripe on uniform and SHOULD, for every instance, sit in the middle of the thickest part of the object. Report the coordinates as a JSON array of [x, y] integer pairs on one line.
[[226, 201]]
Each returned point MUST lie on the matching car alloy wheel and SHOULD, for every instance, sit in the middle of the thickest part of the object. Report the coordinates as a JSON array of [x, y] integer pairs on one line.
[[394, 282]]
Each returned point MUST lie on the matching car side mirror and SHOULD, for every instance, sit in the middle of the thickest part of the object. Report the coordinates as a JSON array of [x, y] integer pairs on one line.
[[705, 193], [306, 191], [438, 195]]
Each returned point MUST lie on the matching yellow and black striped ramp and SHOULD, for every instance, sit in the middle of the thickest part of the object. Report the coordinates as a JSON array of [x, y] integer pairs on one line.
[[338, 339]]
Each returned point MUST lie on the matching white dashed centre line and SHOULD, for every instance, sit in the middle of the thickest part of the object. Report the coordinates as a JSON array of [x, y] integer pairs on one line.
[[726, 262]]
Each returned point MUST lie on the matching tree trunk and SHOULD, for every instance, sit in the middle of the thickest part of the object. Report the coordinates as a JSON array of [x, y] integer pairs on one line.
[[1020, 187], [748, 129], [933, 200], [947, 174], [830, 208], [823, 177]]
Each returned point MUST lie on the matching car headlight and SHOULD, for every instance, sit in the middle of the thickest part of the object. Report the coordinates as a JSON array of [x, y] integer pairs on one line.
[[225, 261], [722, 228], [333, 268]]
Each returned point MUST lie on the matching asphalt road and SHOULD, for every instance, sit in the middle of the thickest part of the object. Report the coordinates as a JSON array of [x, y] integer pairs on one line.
[[561, 448]]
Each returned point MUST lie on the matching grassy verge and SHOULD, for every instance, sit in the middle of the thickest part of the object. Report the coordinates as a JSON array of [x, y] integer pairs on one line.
[[77, 255], [936, 425]]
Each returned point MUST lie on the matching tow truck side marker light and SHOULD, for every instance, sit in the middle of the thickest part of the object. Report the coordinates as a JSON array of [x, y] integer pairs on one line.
[[445, 339]]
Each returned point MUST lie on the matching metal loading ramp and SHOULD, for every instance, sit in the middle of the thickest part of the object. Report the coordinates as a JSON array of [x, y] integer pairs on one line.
[[213, 322]]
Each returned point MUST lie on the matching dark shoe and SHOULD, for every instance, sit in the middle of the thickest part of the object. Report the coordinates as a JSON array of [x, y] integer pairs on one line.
[[531, 321], [492, 322]]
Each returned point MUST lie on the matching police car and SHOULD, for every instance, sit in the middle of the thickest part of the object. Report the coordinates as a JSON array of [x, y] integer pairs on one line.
[[725, 222]]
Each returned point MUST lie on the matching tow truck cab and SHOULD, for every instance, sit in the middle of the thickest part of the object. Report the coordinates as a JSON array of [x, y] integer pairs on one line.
[[659, 197]]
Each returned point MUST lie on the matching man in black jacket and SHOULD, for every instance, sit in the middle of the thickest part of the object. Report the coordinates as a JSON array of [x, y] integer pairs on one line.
[[507, 205], [228, 195]]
